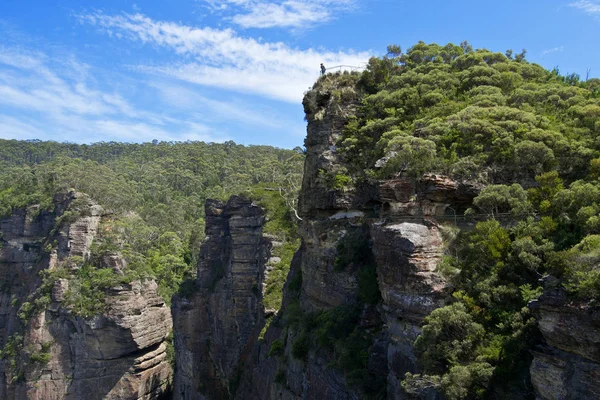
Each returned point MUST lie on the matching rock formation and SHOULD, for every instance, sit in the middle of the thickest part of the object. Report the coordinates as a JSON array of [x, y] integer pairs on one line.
[[358, 291], [567, 365], [218, 325], [51, 353], [403, 219]]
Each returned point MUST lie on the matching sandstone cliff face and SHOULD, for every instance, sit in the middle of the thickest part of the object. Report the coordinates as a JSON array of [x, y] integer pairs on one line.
[[49, 353], [218, 325], [400, 220], [567, 366]]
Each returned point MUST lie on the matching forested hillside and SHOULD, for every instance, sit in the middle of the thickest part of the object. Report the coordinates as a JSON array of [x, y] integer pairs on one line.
[[155, 193], [530, 138]]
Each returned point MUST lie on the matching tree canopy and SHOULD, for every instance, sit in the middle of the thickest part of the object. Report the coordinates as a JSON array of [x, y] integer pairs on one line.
[[476, 114]]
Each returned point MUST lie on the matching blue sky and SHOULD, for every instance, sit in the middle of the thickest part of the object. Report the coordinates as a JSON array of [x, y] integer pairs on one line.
[[88, 71]]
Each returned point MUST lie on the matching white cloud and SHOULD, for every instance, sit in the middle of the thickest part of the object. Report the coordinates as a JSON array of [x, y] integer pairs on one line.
[[209, 108], [289, 14], [279, 13], [221, 58], [30, 83], [553, 50], [45, 98], [590, 7]]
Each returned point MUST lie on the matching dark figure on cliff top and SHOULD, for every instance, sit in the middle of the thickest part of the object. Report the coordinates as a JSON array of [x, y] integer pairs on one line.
[[323, 69]]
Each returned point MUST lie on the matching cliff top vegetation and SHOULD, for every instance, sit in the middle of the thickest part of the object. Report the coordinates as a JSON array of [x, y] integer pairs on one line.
[[470, 114]]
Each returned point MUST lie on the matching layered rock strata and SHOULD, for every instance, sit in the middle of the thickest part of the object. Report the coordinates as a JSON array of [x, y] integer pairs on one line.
[[48, 352], [567, 365], [218, 325]]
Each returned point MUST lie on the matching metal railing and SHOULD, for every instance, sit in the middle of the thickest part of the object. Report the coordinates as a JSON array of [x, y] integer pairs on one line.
[[340, 68], [387, 217]]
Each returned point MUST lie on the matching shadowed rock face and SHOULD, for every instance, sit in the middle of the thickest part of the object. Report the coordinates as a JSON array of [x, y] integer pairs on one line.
[[118, 355], [216, 327], [568, 365]]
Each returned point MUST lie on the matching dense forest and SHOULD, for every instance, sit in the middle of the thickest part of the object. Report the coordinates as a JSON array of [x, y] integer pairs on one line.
[[531, 139], [154, 194]]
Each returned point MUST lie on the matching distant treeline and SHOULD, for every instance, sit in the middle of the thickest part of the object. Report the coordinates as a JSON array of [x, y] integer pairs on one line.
[[155, 191]]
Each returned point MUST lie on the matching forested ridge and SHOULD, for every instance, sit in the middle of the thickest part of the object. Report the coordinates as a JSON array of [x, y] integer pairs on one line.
[[154, 194], [530, 138]]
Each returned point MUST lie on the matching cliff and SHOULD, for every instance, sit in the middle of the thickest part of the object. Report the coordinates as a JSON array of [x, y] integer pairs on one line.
[[395, 290], [49, 350], [567, 364], [374, 247], [216, 327], [364, 278]]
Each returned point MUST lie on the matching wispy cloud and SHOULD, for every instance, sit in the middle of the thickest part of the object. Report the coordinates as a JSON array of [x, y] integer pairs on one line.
[[190, 100], [224, 59], [41, 98], [280, 13], [553, 50], [18, 128], [588, 6]]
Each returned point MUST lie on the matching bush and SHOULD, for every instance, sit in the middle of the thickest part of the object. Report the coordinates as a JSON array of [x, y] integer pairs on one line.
[[462, 380], [301, 346], [187, 288], [296, 283], [368, 285], [449, 337], [353, 249], [40, 358], [582, 273], [340, 181], [336, 324], [170, 351], [26, 311], [280, 377], [276, 348]]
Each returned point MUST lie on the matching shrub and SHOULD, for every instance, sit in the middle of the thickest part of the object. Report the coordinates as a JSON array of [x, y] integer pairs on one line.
[[276, 348], [280, 377], [336, 324], [40, 358], [353, 249], [368, 286], [26, 311], [449, 336], [187, 288], [301, 346]]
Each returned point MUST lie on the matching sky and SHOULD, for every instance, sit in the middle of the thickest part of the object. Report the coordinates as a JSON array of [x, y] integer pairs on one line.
[[134, 71]]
